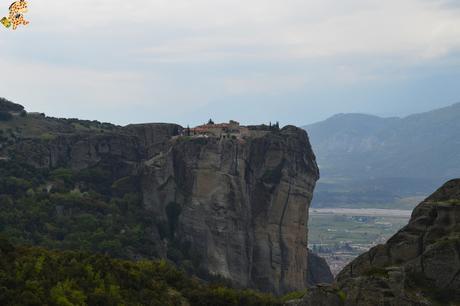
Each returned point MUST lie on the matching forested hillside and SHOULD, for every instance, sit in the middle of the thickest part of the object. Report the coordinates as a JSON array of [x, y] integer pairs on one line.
[[35, 276], [64, 209]]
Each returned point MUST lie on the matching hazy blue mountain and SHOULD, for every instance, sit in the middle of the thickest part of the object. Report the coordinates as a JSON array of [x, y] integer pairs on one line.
[[366, 159]]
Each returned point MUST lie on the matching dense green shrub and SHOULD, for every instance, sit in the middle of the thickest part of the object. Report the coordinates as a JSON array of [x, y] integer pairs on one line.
[[64, 209], [34, 276]]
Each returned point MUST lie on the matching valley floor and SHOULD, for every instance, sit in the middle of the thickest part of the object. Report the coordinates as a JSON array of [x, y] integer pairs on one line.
[[340, 234]]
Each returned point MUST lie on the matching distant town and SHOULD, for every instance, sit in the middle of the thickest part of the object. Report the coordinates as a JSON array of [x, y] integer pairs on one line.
[[339, 235]]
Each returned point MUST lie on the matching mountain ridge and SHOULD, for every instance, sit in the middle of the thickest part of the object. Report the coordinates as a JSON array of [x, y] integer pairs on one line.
[[353, 148]]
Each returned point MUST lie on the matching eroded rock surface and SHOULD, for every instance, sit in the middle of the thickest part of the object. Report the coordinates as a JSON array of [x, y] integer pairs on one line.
[[420, 265], [243, 204]]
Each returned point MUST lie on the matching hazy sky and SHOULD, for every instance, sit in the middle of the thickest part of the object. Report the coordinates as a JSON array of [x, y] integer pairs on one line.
[[296, 61]]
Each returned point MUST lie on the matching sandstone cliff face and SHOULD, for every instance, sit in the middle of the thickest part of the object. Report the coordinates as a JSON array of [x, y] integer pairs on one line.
[[243, 204], [420, 265], [238, 208]]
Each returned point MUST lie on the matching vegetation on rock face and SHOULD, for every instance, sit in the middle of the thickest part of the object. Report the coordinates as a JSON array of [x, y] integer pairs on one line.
[[95, 217], [39, 127], [64, 209], [131, 200], [35, 276], [85, 211]]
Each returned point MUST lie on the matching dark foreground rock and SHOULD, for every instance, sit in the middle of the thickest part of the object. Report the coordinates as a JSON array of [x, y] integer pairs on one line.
[[420, 265], [318, 270]]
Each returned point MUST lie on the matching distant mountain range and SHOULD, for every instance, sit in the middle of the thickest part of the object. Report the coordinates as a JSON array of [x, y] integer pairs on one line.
[[371, 161]]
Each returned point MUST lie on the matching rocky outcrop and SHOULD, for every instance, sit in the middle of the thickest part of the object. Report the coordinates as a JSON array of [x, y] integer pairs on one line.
[[8, 106], [318, 270], [233, 207], [242, 204], [420, 265]]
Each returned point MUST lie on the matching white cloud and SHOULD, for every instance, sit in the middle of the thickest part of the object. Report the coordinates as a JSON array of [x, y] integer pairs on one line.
[[263, 83], [192, 52], [210, 30], [218, 29]]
